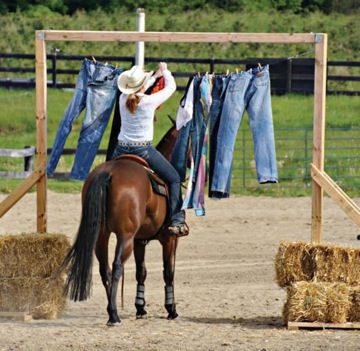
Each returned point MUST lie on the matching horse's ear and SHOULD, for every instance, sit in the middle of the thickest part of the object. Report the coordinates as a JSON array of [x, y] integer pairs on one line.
[[172, 120]]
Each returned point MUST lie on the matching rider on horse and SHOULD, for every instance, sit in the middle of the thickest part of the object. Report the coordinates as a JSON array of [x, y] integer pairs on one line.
[[137, 112]]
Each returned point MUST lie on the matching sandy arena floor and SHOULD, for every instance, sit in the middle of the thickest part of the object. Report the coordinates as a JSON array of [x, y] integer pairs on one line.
[[226, 295]]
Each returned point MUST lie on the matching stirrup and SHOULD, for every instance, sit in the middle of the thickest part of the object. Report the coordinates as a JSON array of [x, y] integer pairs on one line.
[[181, 229]]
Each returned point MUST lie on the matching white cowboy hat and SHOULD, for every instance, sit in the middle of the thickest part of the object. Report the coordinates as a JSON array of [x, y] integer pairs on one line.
[[132, 80]]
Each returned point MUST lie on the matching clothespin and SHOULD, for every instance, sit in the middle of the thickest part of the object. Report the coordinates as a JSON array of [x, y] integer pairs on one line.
[[236, 70], [93, 59], [199, 74], [259, 64], [227, 72]]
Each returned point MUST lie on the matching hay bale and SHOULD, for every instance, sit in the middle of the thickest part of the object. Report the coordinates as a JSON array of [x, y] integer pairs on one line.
[[301, 261], [332, 264], [27, 263], [31, 255], [293, 263], [317, 302], [40, 297], [354, 314]]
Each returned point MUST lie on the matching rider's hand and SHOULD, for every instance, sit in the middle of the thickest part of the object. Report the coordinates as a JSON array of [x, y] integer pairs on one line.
[[162, 66], [160, 71]]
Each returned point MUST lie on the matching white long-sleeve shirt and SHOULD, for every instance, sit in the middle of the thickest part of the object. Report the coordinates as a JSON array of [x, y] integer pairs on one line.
[[139, 126]]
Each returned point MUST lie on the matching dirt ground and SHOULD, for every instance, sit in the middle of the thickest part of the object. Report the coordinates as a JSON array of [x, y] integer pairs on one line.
[[224, 283]]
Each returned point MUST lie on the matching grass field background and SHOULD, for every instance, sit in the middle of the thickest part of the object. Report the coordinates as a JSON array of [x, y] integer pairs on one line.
[[292, 122]]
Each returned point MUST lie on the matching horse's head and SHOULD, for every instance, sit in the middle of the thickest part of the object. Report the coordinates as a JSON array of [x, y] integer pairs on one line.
[[166, 144]]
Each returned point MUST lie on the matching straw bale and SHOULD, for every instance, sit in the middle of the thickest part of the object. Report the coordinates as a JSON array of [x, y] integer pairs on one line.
[[31, 255], [293, 263], [320, 263], [41, 297], [317, 302], [354, 314]]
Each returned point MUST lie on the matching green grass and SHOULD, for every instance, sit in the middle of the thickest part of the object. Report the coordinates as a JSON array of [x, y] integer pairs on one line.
[[292, 115], [344, 34]]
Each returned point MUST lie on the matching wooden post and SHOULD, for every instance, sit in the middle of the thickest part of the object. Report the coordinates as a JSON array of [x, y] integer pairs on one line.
[[319, 133], [41, 129]]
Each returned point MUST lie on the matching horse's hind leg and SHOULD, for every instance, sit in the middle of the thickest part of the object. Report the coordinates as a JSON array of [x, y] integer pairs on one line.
[[169, 244], [101, 252], [139, 253], [122, 253]]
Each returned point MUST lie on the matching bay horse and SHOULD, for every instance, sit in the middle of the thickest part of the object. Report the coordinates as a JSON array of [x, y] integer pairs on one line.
[[117, 197]]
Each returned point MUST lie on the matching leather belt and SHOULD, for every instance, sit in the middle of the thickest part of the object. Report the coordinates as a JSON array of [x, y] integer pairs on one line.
[[134, 143]]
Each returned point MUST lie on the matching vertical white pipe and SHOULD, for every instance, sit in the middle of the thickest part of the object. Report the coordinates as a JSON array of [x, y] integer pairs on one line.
[[139, 46]]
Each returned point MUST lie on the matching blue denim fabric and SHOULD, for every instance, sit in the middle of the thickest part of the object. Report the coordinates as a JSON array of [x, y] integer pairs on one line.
[[198, 126], [162, 167], [251, 91], [193, 131], [179, 153], [95, 90], [218, 94]]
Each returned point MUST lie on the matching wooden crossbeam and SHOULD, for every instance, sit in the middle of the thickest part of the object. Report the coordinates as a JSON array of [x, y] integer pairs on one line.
[[177, 37], [19, 316], [17, 152], [336, 193], [319, 325], [19, 192]]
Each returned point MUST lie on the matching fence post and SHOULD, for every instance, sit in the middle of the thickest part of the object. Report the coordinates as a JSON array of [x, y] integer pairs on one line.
[[288, 75], [140, 47], [306, 165], [28, 161], [53, 68]]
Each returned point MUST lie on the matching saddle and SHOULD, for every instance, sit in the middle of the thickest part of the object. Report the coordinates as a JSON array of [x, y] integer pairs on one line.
[[158, 185]]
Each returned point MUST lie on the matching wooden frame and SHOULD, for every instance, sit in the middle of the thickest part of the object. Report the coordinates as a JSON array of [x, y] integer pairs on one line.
[[321, 181]]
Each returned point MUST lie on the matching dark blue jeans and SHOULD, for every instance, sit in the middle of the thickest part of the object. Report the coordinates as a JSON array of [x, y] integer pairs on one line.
[[95, 90], [218, 94], [193, 131], [162, 167]]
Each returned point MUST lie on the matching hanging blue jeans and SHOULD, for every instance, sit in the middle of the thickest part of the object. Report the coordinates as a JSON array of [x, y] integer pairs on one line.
[[95, 90], [162, 167], [218, 94], [251, 91]]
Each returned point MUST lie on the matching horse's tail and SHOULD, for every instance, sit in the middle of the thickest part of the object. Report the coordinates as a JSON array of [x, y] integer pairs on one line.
[[80, 257]]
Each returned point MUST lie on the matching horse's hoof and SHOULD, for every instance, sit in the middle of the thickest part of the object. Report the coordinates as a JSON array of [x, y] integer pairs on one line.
[[141, 316], [172, 316], [113, 324]]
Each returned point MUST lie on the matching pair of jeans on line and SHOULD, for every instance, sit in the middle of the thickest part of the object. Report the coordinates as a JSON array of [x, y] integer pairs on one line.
[[248, 90], [163, 168], [95, 90]]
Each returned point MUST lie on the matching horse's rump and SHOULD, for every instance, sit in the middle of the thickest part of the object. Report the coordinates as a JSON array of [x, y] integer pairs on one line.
[[132, 203]]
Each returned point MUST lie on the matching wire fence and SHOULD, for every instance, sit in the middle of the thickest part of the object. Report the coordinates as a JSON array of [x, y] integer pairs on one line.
[[288, 75], [294, 155]]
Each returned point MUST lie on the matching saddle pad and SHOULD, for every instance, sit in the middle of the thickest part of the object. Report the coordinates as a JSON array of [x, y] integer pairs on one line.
[[158, 185]]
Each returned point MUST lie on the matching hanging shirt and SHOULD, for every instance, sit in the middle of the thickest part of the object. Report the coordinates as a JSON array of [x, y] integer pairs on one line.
[[186, 108], [139, 126]]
